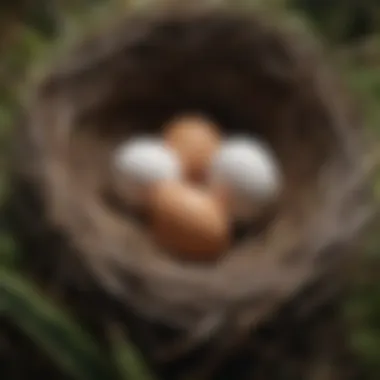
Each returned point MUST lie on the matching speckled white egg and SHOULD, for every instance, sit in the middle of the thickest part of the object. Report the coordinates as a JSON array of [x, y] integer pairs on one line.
[[247, 169], [140, 163]]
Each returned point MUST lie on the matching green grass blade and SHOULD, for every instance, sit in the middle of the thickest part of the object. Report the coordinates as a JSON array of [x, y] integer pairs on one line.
[[129, 362], [71, 349]]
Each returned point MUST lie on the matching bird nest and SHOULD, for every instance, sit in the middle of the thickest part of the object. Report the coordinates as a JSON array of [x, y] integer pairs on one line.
[[251, 76]]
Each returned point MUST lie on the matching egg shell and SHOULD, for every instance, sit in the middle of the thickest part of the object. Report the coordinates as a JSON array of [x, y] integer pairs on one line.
[[248, 168], [188, 222], [140, 163], [195, 139]]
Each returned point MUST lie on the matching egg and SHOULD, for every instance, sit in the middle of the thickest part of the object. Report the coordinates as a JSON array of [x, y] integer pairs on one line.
[[142, 162], [188, 222], [195, 139], [248, 175]]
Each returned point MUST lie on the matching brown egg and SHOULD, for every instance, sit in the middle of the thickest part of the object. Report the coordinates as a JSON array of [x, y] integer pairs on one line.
[[195, 139], [188, 222]]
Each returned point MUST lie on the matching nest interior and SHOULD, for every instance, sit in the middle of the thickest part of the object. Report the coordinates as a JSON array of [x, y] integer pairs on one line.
[[253, 78]]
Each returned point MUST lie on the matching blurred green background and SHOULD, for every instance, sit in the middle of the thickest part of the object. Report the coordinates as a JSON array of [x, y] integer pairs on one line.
[[29, 30]]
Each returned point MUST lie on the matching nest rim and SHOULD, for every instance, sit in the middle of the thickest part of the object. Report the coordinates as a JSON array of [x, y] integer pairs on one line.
[[156, 286]]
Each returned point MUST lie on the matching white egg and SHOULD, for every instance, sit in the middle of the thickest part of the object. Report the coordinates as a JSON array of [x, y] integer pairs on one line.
[[249, 171], [143, 162]]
